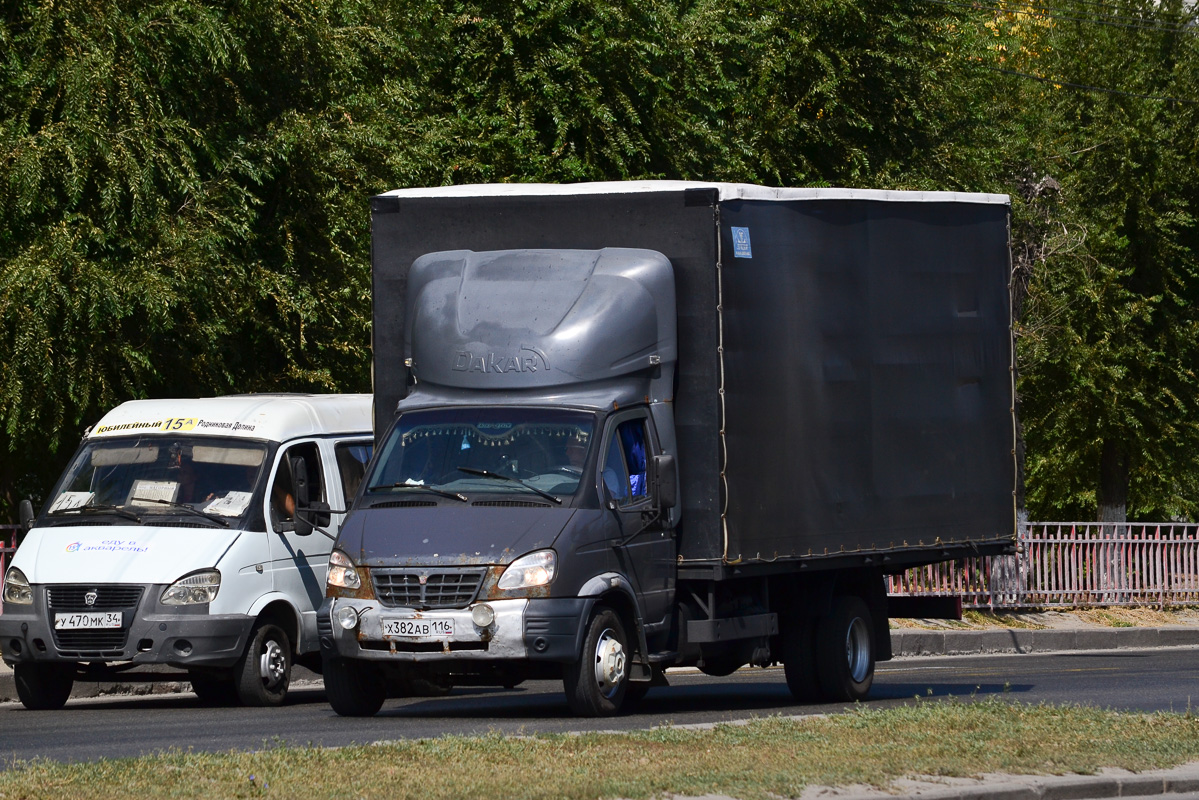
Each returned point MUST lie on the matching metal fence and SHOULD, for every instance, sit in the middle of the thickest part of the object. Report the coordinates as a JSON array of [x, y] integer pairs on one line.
[[1059, 564], [1072, 564]]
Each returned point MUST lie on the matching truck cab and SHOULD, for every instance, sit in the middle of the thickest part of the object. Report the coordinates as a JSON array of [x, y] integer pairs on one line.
[[519, 510], [191, 533]]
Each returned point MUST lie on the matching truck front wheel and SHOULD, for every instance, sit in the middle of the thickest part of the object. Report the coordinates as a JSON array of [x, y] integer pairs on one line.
[[354, 688], [43, 686], [596, 684], [214, 689], [845, 650]]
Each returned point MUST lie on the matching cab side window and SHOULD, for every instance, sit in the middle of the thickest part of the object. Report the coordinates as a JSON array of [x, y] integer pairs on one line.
[[352, 458], [624, 471], [283, 493]]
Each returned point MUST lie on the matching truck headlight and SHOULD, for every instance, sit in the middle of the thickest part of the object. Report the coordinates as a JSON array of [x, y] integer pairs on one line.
[[16, 588], [534, 569], [194, 589], [342, 573]]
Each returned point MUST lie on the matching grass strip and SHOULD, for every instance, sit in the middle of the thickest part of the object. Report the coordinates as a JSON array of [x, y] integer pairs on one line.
[[771, 757]]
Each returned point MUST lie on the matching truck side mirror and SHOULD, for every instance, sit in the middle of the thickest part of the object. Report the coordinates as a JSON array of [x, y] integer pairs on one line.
[[606, 497], [665, 481], [299, 482]]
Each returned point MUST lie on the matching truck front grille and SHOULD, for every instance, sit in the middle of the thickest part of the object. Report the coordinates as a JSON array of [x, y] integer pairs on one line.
[[421, 588]]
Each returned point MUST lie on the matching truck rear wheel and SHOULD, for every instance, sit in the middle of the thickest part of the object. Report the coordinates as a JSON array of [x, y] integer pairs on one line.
[[799, 658], [354, 688], [264, 672], [845, 650], [43, 686], [596, 684]]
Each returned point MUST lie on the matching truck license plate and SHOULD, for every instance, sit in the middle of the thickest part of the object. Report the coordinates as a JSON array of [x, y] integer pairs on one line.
[[107, 619], [418, 628]]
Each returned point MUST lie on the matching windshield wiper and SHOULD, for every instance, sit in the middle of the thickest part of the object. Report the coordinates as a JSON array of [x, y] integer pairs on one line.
[[486, 473], [182, 507], [100, 508], [423, 488]]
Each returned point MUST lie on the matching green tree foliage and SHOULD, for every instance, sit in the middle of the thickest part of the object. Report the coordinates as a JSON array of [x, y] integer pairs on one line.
[[1108, 344], [185, 182], [181, 191]]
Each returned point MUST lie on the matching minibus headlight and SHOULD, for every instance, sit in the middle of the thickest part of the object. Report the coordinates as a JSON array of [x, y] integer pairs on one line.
[[535, 569], [16, 588], [194, 589]]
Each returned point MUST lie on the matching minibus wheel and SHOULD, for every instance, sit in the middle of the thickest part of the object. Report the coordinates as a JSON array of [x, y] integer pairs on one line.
[[264, 672], [43, 686]]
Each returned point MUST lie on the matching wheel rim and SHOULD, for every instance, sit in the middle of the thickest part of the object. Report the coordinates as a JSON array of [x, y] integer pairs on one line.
[[272, 664], [609, 663], [857, 649]]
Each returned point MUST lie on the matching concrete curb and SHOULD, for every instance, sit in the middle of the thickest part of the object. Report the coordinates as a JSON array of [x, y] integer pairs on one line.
[[1114, 783], [915, 642], [904, 642]]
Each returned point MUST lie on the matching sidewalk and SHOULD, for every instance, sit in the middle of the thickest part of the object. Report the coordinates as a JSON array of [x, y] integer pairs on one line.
[[1108, 783]]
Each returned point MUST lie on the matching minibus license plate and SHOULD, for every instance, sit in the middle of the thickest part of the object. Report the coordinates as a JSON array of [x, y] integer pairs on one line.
[[418, 628], [68, 622]]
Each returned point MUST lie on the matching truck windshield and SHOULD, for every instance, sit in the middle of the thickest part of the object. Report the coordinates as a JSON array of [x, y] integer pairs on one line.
[[132, 477], [467, 451]]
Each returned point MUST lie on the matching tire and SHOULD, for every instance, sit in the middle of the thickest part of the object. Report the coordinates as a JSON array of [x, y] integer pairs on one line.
[[845, 651], [799, 658], [354, 688], [214, 690], [43, 686], [596, 684], [263, 674]]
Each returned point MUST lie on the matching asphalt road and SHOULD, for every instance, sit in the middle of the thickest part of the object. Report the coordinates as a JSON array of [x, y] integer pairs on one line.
[[1144, 680]]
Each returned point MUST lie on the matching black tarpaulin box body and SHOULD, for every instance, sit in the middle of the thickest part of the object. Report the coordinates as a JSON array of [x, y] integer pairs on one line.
[[843, 382]]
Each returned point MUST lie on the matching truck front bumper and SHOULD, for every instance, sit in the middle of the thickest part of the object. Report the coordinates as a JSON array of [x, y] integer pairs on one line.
[[539, 629], [150, 634]]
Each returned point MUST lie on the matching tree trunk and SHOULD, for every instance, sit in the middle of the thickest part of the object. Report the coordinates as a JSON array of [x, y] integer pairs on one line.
[[1113, 482], [1113, 508]]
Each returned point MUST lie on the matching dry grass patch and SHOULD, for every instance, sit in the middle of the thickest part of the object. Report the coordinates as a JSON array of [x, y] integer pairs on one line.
[[1140, 617], [767, 758], [1108, 617]]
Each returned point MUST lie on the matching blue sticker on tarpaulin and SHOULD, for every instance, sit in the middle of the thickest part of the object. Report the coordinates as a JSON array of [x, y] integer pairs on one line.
[[741, 248]]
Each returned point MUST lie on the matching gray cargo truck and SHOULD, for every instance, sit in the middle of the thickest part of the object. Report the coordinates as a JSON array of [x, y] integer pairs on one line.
[[622, 427]]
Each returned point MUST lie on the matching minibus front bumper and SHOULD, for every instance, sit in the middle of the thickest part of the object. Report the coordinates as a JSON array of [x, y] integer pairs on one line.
[[148, 632]]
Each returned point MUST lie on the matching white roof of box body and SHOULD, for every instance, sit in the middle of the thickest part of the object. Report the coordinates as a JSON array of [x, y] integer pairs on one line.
[[271, 417], [727, 191]]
